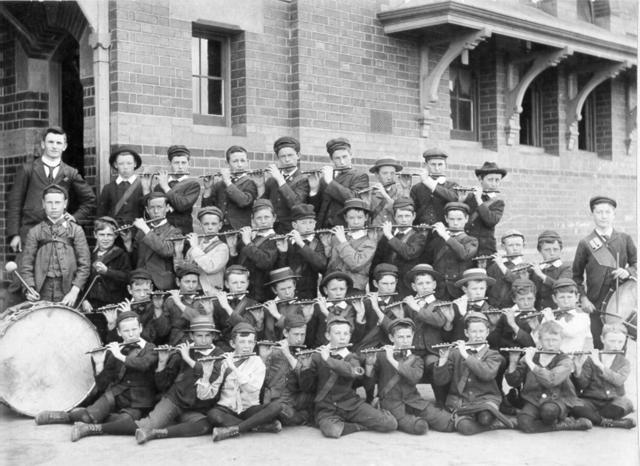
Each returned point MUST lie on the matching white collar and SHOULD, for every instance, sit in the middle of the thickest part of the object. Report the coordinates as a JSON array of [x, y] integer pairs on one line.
[[291, 173], [206, 352], [340, 304], [401, 230], [556, 263], [516, 260], [131, 179], [490, 195], [607, 232], [304, 238], [62, 221], [441, 179], [141, 342], [358, 234], [428, 299], [153, 227], [178, 178], [51, 163], [344, 352]]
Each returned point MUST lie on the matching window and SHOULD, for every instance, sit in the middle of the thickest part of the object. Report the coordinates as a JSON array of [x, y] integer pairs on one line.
[[587, 125], [531, 117], [463, 94], [210, 77]]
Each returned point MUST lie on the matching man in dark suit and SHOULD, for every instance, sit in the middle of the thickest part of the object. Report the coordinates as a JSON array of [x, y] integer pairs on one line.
[[24, 202], [604, 258], [337, 184], [181, 190], [486, 209], [287, 187]]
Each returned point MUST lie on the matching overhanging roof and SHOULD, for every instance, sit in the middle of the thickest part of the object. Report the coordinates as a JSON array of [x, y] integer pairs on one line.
[[510, 19]]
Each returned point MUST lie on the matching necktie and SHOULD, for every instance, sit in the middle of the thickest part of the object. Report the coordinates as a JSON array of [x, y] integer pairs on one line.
[[50, 177], [172, 183], [605, 238]]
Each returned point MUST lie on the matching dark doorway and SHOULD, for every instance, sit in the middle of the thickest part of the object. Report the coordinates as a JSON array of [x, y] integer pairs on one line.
[[71, 103]]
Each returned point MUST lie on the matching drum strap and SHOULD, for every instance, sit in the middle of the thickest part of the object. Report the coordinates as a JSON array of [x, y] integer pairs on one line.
[[599, 250], [66, 241]]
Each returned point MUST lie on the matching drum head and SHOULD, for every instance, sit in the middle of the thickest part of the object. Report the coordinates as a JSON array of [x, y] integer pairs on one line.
[[43, 365]]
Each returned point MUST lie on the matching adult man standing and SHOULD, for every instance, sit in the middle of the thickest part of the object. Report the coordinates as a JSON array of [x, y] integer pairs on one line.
[[603, 259], [24, 203]]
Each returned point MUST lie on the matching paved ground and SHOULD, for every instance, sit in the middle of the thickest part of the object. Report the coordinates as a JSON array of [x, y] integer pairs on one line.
[[23, 443]]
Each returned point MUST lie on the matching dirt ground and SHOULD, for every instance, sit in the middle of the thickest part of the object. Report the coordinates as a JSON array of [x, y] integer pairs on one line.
[[25, 444]]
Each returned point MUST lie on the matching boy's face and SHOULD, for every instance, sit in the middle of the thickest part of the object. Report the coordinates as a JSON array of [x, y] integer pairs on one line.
[[286, 289], [402, 337], [355, 218], [341, 158], [54, 205], [295, 336], [202, 338], [189, 283], [287, 156], [336, 289], [565, 299], [140, 289], [475, 289], [237, 282], [238, 161], [404, 217], [513, 245], [263, 218], [129, 330], [244, 344], [105, 238], [525, 300], [490, 181], [180, 164], [614, 341], [157, 208], [54, 145], [386, 174], [386, 284], [456, 219], [550, 250], [125, 165], [338, 334], [436, 166], [550, 341], [603, 215], [304, 226], [210, 223], [424, 284], [476, 331]]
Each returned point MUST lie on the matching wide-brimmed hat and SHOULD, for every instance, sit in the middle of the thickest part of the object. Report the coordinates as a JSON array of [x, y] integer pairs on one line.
[[475, 274], [281, 274], [488, 168], [125, 149], [388, 162]]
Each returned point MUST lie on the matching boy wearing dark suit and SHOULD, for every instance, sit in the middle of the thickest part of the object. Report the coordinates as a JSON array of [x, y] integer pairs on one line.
[[124, 377], [122, 198], [402, 246], [339, 183], [603, 259], [551, 269], [303, 251], [501, 269], [182, 192], [235, 193], [485, 208], [474, 284], [384, 191], [287, 187], [434, 190]]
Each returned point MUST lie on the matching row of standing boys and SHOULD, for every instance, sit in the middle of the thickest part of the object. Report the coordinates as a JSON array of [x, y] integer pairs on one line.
[[289, 284]]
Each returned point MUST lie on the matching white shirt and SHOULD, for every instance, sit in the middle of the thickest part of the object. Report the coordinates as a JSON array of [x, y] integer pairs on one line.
[[577, 332], [131, 179], [357, 234], [51, 164]]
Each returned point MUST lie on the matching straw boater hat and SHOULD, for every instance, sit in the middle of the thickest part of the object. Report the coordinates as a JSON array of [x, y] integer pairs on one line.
[[281, 274], [475, 274]]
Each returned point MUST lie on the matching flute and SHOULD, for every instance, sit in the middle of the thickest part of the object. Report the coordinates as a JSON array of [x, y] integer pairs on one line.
[[175, 174], [371, 188], [317, 350], [399, 303], [450, 345], [175, 348], [110, 307], [516, 349], [319, 170], [224, 356], [380, 350], [555, 311], [184, 237], [104, 348], [277, 344], [205, 297], [237, 232], [129, 227]]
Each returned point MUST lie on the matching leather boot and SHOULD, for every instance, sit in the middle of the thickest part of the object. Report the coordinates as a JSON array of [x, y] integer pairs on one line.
[[624, 423], [582, 423], [52, 417], [144, 435], [223, 433], [273, 427], [82, 429]]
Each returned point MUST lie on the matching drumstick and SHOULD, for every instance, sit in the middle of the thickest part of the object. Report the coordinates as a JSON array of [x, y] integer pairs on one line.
[[13, 267], [617, 283], [86, 293]]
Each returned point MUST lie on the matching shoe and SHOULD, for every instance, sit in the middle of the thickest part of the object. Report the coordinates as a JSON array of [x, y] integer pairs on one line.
[[420, 427], [144, 435], [498, 425], [273, 427], [223, 433], [624, 423], [582, 423], [52, 417], [82, 429]]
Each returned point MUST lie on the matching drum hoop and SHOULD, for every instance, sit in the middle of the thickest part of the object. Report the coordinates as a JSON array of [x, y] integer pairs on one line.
[[36, 306]]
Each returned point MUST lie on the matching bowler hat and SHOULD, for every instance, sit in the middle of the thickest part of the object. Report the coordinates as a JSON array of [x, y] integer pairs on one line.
[[489, 168], [281, 274], [388, 162], [125, 150]]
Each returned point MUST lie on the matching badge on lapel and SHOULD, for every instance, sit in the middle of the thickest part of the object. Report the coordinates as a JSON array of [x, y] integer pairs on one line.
[[595, 244]]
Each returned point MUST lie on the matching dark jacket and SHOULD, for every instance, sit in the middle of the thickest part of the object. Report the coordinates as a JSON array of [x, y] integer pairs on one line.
[[234, 200], [482, 222], [544, 288], [154, 252], [603, 384], [331, 197], [132, 208], [451, 258], [307, 262], [260, 257], [294, 192], [110, 287], [430, 204], [182, 196]]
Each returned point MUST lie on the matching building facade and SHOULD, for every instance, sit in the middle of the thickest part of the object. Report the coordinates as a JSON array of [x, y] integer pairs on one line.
[[546, 88]]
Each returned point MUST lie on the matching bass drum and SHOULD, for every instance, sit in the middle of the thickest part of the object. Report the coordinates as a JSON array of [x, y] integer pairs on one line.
[[622, 306], [43, 365]]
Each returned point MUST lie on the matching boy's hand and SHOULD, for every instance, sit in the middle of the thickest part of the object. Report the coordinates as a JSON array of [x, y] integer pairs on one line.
[[412, 303], [529, 353], [111, 315], [71, 297], [32, 295], [276, 174], [86, 306], [441, 230], [16, 244], [141, 225], [192, 239], [547, 314], [322, 305], [145, 182], [387, 230], [100, 268], [163, 180], [587, 306], [427, 180], [115, 350], [443, 356], [98, 360], [232, 242], [282, 244], [225, 173], [477, 193], [462, 348], [245, 235], [620, 274], [327, 174], [359, 307], [325, 353], [272, 307], [339, 233], [595, 358], [183, 349]]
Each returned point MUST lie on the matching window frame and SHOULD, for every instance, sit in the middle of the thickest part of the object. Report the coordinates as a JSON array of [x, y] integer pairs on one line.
[[536, 121], [461, 134]]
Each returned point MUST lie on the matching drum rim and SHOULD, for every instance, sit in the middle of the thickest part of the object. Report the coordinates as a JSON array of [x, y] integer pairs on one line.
[[37, 305]]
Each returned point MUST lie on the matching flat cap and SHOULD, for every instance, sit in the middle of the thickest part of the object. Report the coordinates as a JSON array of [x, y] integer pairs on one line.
[[602, 200], [337, 143], [286, 141], [456, 206], [211, 210], [177, 150], [300, 211], [404, 203], [434, 153], [383, 269]]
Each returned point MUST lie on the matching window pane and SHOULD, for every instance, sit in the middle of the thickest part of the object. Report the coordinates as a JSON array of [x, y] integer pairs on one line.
[[195, 55], [464, 84], [465, 116], [454, 113], [214, 58], [212, 98], [196, 95]]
